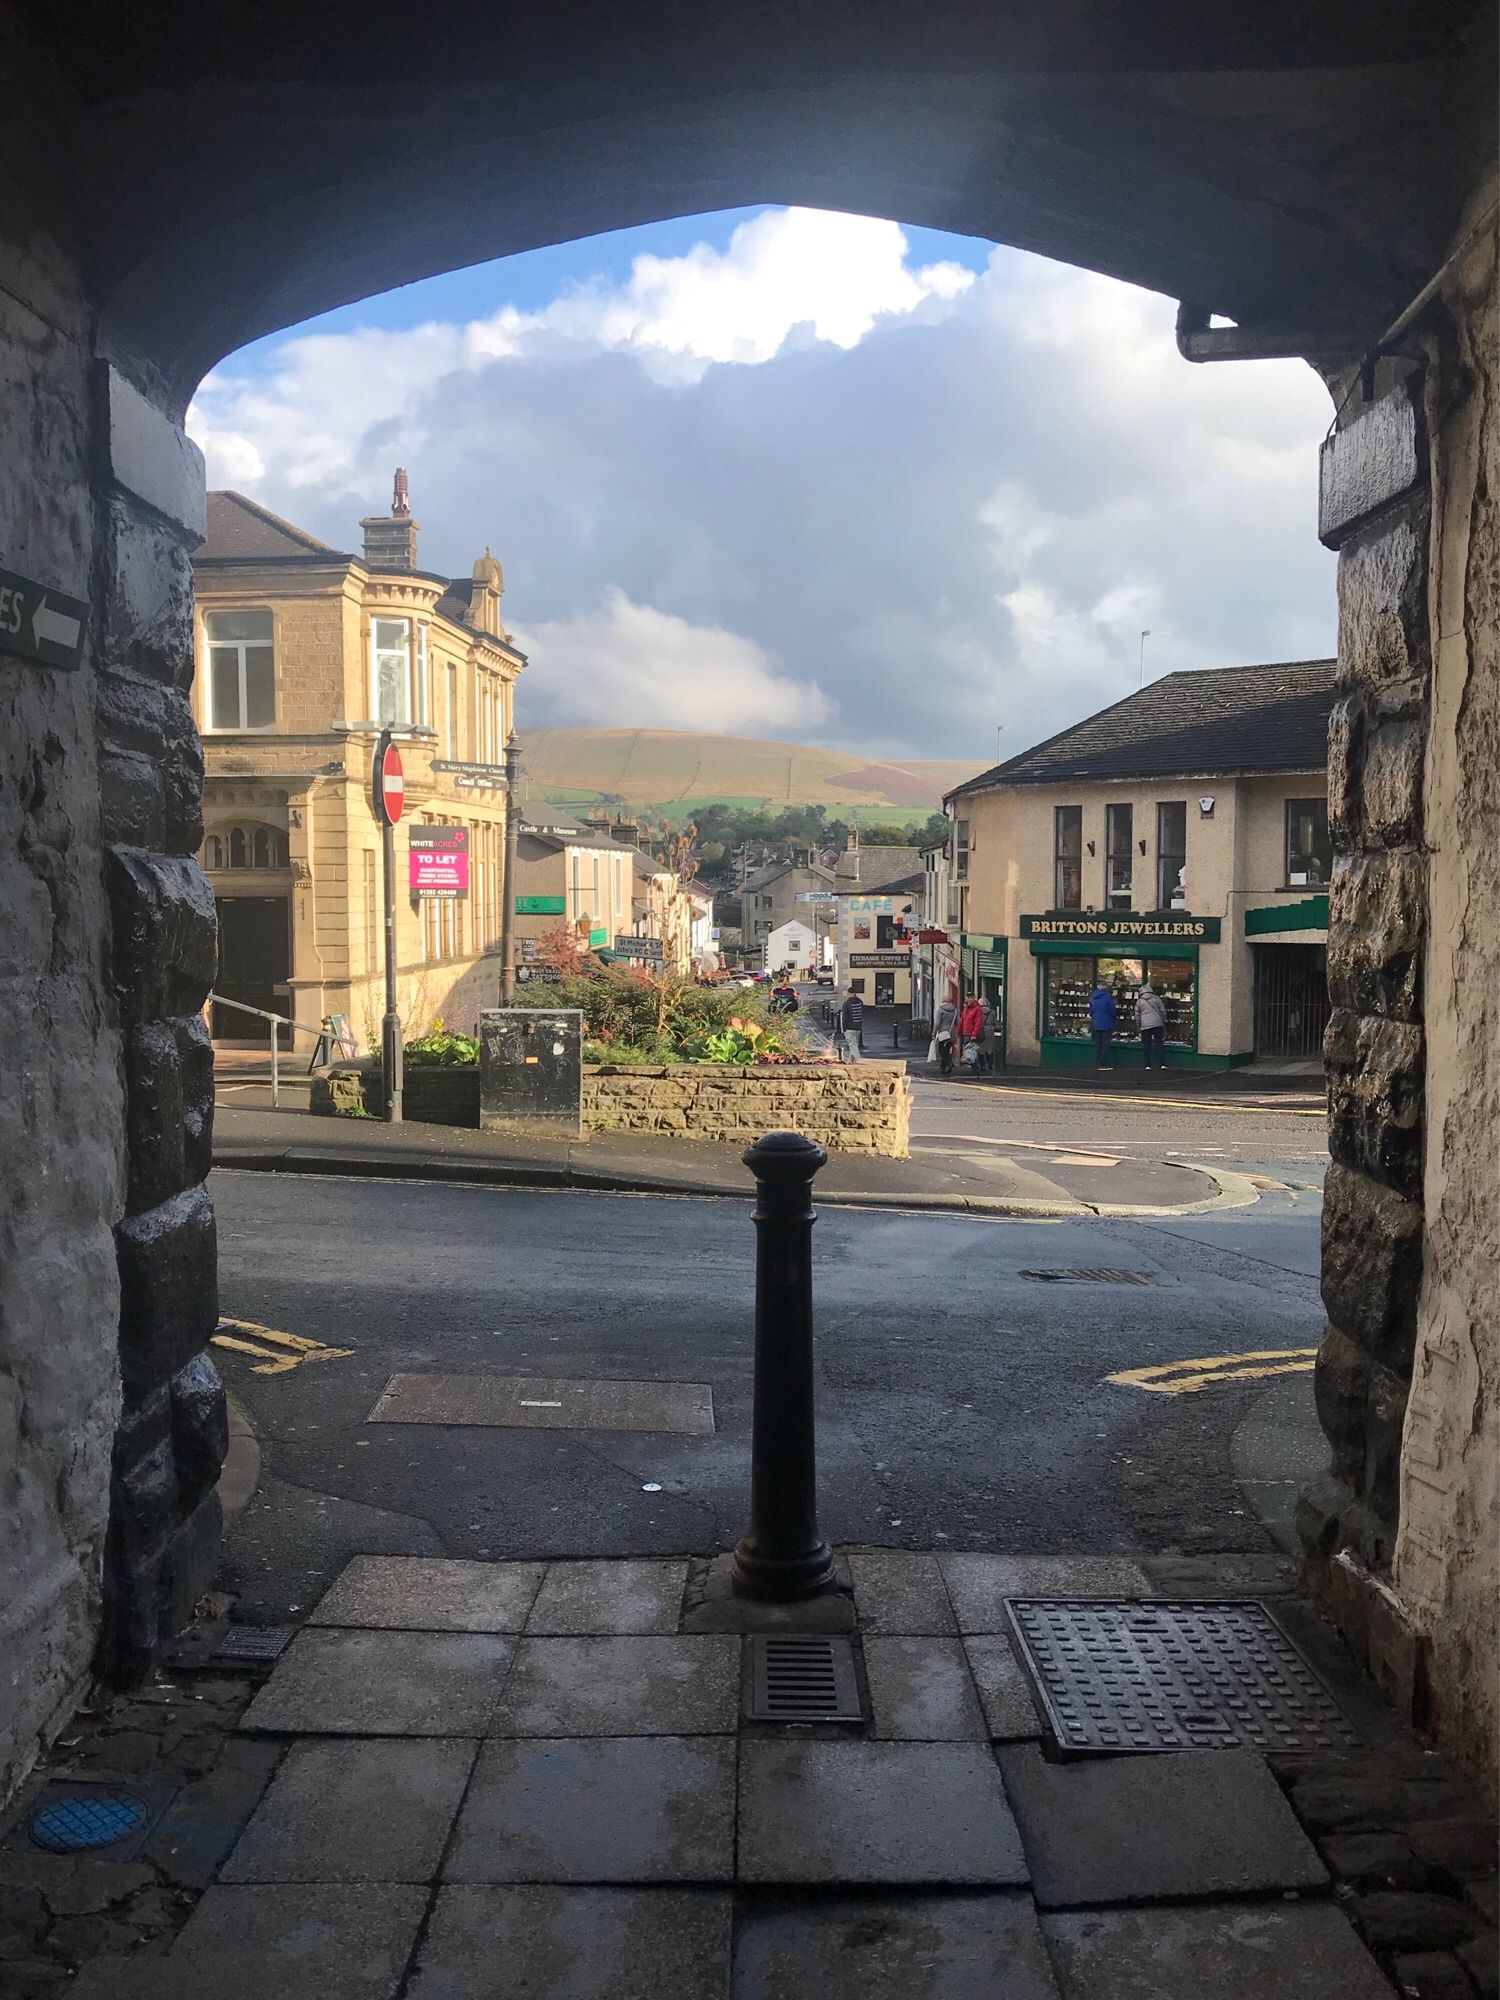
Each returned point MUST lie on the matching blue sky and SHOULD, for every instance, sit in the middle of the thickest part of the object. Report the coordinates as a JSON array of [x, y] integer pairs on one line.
[[534, 278], [820, 477]]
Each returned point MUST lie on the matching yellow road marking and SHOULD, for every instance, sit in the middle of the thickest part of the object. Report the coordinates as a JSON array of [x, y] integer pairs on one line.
[[1259, 1110], [275, 1352], [1183, 1378]]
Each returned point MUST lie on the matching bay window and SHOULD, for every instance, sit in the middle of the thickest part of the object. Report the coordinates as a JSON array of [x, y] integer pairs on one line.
[[390, 671], [241, 670]]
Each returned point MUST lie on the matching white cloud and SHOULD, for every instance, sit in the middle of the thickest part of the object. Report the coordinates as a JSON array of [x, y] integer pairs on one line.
[[628, 664], [802, 481], [785, 271]]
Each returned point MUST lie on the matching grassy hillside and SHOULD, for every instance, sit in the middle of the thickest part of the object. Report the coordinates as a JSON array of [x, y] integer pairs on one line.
[[673, 770]]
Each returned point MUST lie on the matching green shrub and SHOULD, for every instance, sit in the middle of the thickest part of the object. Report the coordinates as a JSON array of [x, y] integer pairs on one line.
[[438, 1047], [630, 1015]]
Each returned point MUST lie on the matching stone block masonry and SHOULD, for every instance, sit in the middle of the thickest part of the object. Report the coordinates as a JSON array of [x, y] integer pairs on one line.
[[163, 1537], [1374, 510], [849, 1108], [1403, 1530]]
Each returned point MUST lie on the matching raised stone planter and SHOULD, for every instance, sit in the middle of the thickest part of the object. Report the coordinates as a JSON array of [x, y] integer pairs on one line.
[[849, 1108], [431, 1093]]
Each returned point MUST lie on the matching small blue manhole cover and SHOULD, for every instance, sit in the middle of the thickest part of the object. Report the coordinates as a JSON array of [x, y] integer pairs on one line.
[[81, 1820]]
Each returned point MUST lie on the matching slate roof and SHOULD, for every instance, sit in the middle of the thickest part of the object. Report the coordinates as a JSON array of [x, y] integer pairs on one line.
[[863, 869], [774, 870], [241, 530], [1209, 723]]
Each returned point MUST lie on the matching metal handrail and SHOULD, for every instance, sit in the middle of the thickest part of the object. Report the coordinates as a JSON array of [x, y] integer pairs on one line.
[[277, 1021]]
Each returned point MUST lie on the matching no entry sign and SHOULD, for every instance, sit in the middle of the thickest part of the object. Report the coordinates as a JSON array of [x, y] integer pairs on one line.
[[388, 785]]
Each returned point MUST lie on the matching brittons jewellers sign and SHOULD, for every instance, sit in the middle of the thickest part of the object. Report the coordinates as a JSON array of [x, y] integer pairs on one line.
[[1124, 929], [438, 861]]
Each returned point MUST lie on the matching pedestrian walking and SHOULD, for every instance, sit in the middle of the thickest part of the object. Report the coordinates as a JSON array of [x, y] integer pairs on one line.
[[1151, 1012], [852, 1025], [1103, 1019]]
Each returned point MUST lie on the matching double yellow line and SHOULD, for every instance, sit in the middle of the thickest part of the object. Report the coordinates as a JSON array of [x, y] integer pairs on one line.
[[1184, 1378], [276, 1353]]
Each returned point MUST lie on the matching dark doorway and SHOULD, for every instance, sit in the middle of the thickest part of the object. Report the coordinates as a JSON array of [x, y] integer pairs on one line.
[[1291, 999], [255, 963], [885, 989]]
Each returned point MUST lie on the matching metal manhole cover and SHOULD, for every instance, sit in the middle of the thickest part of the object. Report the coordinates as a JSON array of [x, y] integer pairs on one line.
[[1138, 1675], [1091, 1277], [251, 1644], [802, 1677], [103, 1816]]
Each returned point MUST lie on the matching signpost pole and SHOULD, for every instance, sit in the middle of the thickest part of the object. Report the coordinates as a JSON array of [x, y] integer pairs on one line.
[[390, 1026], [508, 886]]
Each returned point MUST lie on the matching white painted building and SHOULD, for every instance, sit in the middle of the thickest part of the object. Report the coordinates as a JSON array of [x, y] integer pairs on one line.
[[793, 944]]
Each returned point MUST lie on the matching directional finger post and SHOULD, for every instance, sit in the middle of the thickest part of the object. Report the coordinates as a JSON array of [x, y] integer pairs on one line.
[[1185, 1378], [40, 624]]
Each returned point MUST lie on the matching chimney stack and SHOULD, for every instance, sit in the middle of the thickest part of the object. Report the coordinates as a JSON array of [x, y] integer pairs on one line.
[[391, 539]]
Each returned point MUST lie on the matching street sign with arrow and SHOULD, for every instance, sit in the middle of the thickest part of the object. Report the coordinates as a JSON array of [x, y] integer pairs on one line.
[[41, 624]]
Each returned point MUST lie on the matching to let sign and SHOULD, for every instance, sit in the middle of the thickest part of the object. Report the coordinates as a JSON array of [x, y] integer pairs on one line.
[[438, 861], [40, 624]]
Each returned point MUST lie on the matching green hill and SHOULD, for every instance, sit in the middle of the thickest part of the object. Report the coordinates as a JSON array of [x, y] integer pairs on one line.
[[674, 770]]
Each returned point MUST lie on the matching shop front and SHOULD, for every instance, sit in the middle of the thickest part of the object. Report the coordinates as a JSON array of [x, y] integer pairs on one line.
[[983, 964], [1076, 954]]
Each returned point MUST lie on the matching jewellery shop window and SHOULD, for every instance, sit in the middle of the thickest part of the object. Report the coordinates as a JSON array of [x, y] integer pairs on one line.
[[1071, 982]]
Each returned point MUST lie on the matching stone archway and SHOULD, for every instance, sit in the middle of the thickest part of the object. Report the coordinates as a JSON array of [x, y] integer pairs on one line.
[[176, 186]]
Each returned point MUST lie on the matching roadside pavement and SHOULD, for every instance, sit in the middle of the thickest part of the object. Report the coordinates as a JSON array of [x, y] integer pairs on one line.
[[963, 1175], [527, 1780]]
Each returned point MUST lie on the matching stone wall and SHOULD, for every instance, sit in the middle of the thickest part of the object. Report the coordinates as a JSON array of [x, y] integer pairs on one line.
[[1403, 1529], [61, 1109], [111, 1418], [849, 1108], [164, 1516], [1448, 1534]]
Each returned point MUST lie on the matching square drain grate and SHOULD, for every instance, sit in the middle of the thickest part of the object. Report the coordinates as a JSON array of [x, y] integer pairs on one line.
[[252, 1645], [1138, 1675], [1090, 1277], [802, 1677]]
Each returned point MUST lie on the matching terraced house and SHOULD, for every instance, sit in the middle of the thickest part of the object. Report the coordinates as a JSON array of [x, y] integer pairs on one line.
[[305, 653], [1179, 837]]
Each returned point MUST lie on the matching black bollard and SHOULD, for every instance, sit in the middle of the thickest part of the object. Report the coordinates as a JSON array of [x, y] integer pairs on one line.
[[783, 1556]]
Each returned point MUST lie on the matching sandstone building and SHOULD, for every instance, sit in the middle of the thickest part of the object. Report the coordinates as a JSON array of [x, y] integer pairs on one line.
[[304, 653], [1180, 835]]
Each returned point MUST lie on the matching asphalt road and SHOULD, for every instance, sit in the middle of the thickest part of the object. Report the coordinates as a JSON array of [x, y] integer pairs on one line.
[[961, 1404]]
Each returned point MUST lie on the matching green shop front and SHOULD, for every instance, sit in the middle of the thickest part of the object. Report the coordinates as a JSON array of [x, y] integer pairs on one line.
[[1075, 954], [982, 968]]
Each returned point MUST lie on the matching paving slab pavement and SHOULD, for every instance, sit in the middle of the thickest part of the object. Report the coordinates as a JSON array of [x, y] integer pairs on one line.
[[1226, 1951], [598, 1809], [980, 1175], [621, 1834], [1139, 1828]]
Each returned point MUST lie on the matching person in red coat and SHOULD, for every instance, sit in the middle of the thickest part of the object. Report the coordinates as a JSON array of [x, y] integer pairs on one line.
[[971, 1023]]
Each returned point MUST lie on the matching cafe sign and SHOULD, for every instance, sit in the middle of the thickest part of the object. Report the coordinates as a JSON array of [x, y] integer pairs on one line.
[[880, 960], [1170, 928]]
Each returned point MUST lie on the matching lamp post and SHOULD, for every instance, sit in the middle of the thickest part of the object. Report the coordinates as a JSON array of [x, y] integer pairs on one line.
[[508, 880]]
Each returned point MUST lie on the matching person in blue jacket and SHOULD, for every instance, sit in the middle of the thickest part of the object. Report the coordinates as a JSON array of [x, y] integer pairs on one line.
[[1103, 1017]]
